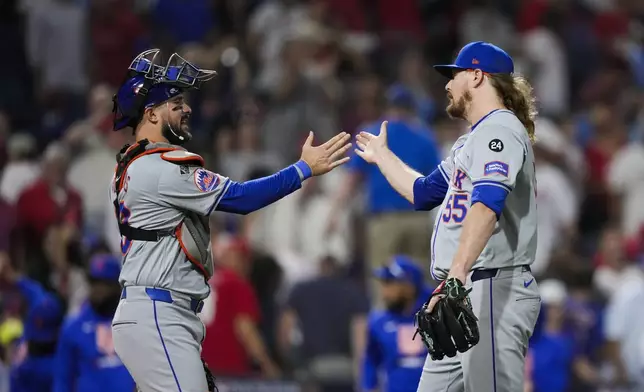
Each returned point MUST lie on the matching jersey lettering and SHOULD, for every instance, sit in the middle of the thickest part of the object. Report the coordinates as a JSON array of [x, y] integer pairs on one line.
[[124, 217], [455, 208], [407, 346], [458, 179], [104, 341]]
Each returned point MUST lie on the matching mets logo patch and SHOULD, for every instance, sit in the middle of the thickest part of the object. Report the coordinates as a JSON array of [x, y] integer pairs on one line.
[[205, 180]]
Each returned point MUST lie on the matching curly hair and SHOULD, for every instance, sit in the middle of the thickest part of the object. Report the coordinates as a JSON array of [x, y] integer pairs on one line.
[[517, 95]]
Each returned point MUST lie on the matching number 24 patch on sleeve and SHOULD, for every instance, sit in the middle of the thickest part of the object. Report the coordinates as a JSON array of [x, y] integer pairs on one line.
[[499, 167]]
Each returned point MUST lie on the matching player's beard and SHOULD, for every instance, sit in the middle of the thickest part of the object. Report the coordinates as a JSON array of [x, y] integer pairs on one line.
[[178, 133], [458, 109]]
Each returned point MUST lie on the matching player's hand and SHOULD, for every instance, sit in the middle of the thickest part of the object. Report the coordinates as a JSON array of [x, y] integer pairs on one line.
[[370, 147], [326, 157]]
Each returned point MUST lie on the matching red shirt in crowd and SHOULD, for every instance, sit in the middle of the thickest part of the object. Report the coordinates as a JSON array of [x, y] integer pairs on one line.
[[233, 296], [38, 210]]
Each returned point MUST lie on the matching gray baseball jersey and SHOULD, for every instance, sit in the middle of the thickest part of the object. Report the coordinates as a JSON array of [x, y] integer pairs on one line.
[[497, 152], [153, 197]]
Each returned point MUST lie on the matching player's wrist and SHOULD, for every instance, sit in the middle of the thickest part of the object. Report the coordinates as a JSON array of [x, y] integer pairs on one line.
[[303, 169], [383, 156]]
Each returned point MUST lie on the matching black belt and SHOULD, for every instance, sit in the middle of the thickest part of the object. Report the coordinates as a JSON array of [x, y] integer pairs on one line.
[[480, 274]]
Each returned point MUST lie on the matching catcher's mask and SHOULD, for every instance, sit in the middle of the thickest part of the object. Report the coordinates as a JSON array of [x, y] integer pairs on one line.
[[149, 83]]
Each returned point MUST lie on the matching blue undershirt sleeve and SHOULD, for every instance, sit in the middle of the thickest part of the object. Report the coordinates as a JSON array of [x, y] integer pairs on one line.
[[246, 197], [430, 191]]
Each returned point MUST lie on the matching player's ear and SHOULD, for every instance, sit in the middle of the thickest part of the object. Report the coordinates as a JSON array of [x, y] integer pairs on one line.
[[151, 115], [477, 77]]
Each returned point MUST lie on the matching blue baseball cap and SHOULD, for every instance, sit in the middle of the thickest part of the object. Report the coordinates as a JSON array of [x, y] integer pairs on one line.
[[43, 320], [402, 269], [399, 95], [105, 267], [479, 55], [127, 97]]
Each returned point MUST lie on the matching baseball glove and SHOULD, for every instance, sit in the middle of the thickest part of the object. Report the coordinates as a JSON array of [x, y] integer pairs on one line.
[[451, 326], [209, 378]]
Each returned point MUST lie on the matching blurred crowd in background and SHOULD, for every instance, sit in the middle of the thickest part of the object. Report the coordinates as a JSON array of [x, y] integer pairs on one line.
[[301, 270]]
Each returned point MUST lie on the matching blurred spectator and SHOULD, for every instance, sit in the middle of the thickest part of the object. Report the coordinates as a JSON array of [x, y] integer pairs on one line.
[[20, 171], [609, 136], [558, 207], [391, 347], [552, 352], [547, 66], [413, 75], [293, 230], [625, 332], [7, 225], [32, 367], [322, 329], [585, 320], [612, 265], [86, 360], [626, 180], [247, 154], [116, 35], [269, 25], [93, 163], [181, 23], [306, 92], [49, 201], [57, 46], [393, 226], [231, 315], [483, 21]]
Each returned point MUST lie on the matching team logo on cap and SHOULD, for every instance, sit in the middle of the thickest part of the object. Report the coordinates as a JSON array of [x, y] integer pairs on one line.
[[475, 61], [137, 88], [205, 180]]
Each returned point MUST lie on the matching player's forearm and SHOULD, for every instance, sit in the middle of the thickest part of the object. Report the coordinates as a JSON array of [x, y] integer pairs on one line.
[[249, 196], [400, 176], [477, 230]]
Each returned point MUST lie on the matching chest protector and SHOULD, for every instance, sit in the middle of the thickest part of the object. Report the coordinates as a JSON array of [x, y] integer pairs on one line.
[[193, 233]]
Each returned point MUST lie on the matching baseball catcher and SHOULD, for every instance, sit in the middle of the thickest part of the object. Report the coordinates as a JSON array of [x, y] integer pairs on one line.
[[162, 196], [446, 322]]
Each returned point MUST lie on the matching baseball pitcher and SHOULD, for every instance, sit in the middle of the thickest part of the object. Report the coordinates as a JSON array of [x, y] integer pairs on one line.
[[162, 197], [477, 323]]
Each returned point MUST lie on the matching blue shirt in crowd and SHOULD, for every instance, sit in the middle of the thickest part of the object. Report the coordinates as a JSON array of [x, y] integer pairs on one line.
[[393, 359], [414, 144], [552, 359], [86, 360], [31, 374]]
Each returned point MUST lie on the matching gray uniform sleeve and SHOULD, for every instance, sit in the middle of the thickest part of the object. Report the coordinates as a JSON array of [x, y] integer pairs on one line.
[[446, 167], [496, 157], [192, 188]]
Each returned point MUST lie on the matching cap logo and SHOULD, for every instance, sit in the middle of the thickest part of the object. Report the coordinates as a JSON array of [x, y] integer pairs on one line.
[[137, 88], [475, 61], [174, 90]]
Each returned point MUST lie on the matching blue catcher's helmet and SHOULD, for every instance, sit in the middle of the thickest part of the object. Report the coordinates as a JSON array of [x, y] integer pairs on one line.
[[149, 84]]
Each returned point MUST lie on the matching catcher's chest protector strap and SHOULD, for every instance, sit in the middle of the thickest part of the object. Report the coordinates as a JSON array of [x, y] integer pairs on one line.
[[193, 233]]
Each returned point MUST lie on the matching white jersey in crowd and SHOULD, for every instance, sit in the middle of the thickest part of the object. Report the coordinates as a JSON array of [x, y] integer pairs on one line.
[[496, 152]]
